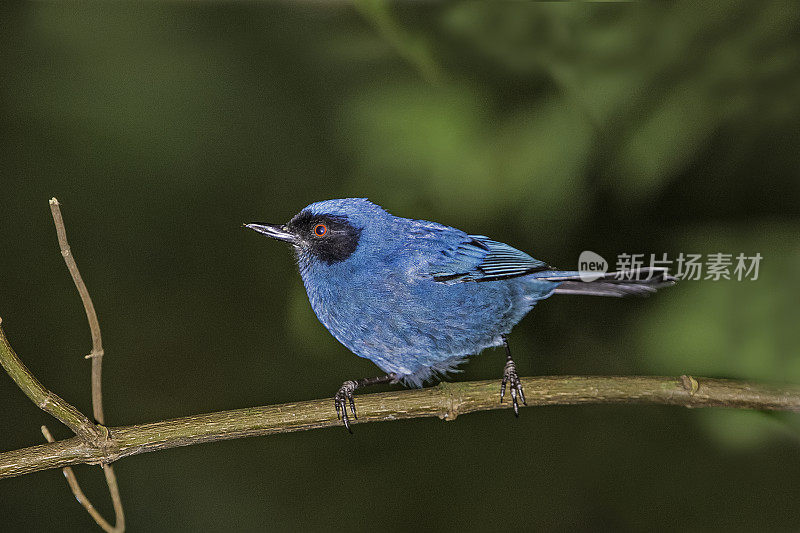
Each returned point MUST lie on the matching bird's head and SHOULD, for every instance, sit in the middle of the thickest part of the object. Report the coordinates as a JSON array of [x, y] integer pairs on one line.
[[329, 231]]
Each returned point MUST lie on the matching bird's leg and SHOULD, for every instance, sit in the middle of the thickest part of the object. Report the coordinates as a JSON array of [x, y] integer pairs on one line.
[[510, 376], [345, 395]]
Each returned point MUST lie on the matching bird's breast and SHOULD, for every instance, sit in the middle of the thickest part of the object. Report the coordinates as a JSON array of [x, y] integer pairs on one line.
[[403, 321]]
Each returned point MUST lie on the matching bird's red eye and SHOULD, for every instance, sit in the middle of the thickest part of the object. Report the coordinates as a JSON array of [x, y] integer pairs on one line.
[[320, 230]]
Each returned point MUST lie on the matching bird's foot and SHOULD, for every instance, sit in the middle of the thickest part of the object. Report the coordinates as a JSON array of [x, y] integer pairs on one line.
[[340, 401], [511, 378]]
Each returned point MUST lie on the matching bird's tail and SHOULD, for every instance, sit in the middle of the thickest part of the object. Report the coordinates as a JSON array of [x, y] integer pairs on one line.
[[639, 282]]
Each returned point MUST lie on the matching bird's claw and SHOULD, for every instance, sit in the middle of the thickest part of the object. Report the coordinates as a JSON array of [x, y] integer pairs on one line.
[[511, 378], [340, 401]]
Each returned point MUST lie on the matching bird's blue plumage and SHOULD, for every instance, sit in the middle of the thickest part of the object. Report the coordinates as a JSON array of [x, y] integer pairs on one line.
[[417, 297]]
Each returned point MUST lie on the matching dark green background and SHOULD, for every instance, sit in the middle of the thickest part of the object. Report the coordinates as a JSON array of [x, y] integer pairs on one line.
[[614, 128]]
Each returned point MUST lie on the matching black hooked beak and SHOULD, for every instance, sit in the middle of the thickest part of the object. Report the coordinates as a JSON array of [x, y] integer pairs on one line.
[[276, 231]]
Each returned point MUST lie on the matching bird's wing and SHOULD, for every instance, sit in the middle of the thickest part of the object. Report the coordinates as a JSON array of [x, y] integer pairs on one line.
[[479, 258]]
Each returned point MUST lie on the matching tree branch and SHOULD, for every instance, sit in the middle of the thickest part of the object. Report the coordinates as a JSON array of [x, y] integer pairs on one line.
[[111, 481], [96, 356], [97, 353], [47, 401], [446, 401]]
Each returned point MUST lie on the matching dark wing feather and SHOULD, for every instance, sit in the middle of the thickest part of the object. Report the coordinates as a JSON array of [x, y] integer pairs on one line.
[[481, 259]]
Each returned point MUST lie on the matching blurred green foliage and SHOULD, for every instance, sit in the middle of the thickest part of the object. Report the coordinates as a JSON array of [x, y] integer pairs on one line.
[[738, 329], [637, 128]]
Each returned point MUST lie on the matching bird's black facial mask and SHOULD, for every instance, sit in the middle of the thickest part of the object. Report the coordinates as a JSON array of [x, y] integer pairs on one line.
[[329, 238]]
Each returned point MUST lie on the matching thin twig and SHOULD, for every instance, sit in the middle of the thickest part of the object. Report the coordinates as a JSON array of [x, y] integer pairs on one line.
[[97, 390], [81, 497], [94, 325]]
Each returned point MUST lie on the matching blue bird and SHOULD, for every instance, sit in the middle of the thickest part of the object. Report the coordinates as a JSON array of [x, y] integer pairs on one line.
[[416, 297]]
